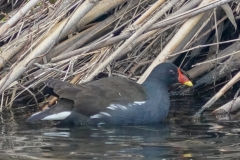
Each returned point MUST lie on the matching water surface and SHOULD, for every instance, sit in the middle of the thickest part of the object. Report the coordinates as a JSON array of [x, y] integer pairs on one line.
[[178, 138]]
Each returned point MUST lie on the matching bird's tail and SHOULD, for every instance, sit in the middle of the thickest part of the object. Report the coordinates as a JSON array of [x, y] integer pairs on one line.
[[47, 115], [59, 111]]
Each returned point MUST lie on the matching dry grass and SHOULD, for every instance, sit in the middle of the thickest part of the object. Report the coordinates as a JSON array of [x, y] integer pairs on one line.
[[76, 41]]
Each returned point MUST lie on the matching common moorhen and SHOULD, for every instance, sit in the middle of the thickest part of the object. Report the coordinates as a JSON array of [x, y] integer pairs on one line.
[[114, 100]]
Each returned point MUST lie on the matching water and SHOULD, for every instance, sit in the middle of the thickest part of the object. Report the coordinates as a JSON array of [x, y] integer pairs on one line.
[[178, 138]]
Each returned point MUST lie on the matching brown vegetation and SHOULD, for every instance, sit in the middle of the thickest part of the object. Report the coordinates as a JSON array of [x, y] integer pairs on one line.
[[81, 40]]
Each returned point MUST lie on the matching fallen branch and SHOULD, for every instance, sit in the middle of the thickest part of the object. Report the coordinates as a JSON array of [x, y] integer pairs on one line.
[[17, 16], [231, 106], [235, 79]]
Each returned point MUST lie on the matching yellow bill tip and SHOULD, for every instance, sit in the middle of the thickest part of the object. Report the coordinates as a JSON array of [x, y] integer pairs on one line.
[[188, 83]]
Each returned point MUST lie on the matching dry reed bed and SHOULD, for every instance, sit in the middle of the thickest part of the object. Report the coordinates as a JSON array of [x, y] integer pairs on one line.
[[79, 40]]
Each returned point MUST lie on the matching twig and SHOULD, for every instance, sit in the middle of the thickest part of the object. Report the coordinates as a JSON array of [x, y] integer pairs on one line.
[[190, 13], [219, 94], [148, 12], [215, 59], [1, 107], [234, 99], [47, 68], [27, 89], [17, 16], [202, 46], [12, 97]]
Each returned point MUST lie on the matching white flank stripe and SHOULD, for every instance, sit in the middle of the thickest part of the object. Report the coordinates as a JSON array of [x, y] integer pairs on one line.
[[58, 116], [139, 102], [96, 116], [106, 114], [35, 114], [121, 106], [112, 107]]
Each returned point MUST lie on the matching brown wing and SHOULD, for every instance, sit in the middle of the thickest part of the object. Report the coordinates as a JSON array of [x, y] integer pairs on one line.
[[93, 97]]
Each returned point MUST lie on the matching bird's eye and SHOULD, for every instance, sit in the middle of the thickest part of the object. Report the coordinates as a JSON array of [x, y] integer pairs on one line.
[[171, 72]]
